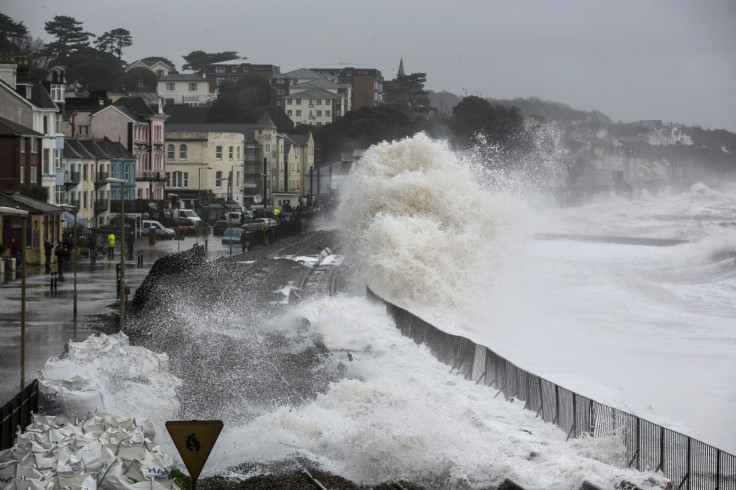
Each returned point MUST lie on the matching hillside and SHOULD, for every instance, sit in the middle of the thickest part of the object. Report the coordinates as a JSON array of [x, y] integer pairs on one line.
[[587, 136]]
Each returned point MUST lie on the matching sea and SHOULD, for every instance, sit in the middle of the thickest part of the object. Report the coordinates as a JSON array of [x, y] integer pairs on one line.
[[462, 239]]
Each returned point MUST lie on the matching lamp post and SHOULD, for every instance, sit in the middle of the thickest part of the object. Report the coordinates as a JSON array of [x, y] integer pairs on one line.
[[4, 210], [199, 196], [113, 180], [70, 207], [178, 221]]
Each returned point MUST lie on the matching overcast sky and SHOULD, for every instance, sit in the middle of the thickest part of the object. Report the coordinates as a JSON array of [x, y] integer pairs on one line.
[[673, 60]]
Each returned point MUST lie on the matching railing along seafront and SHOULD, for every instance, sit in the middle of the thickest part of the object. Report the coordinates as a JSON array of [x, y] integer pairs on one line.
[[17, 414], [687, 462]]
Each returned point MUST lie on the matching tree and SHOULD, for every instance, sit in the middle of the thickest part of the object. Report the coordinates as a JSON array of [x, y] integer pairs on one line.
[[140, 80], [150, 60], [235, 100], [114, 41], [70, 37], [407, 92], [95, 70], [197, 60], [11, 34], [34, 50], [476, 116]]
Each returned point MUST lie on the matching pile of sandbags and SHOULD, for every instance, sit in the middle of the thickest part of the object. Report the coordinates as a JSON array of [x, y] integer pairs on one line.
[[100, 451], [100, 406]]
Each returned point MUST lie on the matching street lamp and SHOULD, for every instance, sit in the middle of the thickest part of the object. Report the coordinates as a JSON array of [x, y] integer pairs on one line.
[[199, 197], [4, 210], [178, 222], [113, 180], [69, 207]]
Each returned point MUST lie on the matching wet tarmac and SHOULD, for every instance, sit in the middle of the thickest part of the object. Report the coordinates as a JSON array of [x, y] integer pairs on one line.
[[50, 320]]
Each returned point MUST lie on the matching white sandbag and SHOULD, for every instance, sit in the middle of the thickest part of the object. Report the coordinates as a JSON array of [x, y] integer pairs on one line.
[[7, 472], [82, 481], [79, 403], [95, 458], [28, 484], [115, 479]]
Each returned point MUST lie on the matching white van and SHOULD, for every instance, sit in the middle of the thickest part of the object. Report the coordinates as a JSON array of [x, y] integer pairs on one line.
[[161, 230], [187, 213]]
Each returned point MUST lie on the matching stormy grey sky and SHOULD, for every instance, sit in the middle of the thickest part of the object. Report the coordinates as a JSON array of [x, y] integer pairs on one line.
[[673, 60]]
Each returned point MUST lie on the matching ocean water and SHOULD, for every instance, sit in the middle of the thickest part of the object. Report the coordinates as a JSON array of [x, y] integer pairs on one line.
[[450, 236]]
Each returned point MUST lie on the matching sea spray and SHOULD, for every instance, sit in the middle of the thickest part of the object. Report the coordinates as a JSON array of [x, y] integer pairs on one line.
[[421, 226]]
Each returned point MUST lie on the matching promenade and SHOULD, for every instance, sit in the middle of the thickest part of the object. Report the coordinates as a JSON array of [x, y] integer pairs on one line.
[[50, 321]]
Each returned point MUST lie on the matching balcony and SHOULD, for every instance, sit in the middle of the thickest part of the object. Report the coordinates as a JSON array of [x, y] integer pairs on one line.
[[101, 206], [70, 179], [151, 176], [100, 179]]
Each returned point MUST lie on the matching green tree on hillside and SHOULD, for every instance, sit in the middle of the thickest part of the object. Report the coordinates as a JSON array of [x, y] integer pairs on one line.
[[476, 116], [197, 60], [11, 34], [235, 100], [407, 92], [114, 42], [95, 70], [140, 80], [70, 37]]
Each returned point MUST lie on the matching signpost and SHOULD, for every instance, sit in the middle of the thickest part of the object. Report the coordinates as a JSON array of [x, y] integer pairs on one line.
[[194, 440]]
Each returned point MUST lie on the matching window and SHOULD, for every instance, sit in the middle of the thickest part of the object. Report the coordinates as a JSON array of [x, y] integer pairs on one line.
[[33, 174], [327, 113], [319, 113], [182, 152], [34, 145], [298, 101], [46, 160], [218, 152], [46, 124], [268, 147], [22, 144], [230, 153], [83, 130], [280, 91], [180, 179], [298, 113], [186, 179], [192, 86], [170, 152], [288, 112], [238, 153], [159, 73], [289, 101], [234, 69], [170, 86], [220, 80], [218, 179], [22, 174], [57, 92], [319, 101], [220, 69]]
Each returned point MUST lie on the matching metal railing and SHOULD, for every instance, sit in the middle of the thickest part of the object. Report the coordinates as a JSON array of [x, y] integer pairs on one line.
[[17, 414], [687, 462]]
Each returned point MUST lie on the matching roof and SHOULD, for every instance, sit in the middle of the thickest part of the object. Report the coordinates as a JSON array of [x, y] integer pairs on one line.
[[10, 128], [303, 73], [322, 83], [182, 77], [314, 93], [266, 122], [40, 96], [73, 149], [33, 206], [248, 130], [239, 61]]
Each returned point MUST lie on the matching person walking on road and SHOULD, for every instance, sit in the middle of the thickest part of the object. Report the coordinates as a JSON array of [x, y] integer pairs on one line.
[[111, 246], [130, 242], [48, 249]]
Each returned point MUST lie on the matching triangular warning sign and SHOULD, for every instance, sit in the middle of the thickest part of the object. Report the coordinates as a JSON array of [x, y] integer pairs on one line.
[[194, 440]]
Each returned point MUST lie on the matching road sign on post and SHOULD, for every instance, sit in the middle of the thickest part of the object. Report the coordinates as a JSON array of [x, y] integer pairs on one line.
[[194, 440]]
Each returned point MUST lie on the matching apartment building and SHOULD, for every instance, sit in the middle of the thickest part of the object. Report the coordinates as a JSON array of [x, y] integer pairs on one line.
[[188, 89], [366, 83]]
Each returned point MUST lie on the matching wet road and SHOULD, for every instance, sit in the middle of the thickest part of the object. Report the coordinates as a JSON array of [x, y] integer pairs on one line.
[[50, 321]]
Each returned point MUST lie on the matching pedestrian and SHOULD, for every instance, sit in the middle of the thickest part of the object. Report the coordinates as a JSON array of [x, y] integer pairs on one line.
[[61, 255], [130, 242], [100, 245], [111, 246], [49, 249], [92, 247], [244, 244]]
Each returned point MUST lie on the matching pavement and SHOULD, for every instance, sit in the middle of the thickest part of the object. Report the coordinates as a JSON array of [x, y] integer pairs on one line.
[[50, 320]]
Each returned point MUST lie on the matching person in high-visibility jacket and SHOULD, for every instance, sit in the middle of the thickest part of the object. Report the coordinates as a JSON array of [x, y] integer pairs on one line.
[[111, 246], [276, 214]]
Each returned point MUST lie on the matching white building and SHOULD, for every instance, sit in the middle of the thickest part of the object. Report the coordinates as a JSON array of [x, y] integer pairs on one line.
[[188, 89]]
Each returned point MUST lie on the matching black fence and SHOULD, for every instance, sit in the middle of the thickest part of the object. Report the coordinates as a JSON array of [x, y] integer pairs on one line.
[[16, 414], [687, 462]]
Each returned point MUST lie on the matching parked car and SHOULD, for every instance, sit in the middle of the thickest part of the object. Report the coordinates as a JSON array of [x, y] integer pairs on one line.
[[232, 236], [187, 226], [221, 226], [161, 231], [257, 223]]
